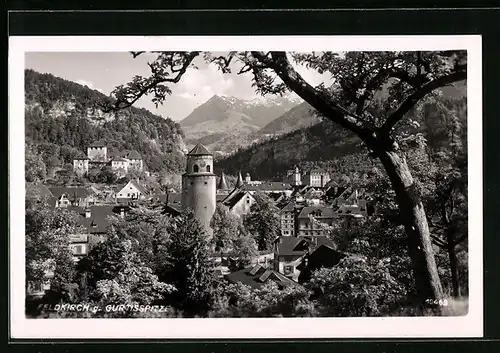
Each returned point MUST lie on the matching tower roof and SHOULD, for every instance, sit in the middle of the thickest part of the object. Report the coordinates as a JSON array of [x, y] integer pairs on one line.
[[97, 144], [222, 183], [240, 180], [199, 150]]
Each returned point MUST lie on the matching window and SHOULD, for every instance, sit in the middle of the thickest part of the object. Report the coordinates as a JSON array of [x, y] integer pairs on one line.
[[208, 168], [248, 201], [128, 195], [288, 270], [36, 287], [196, 168], [206, 183]]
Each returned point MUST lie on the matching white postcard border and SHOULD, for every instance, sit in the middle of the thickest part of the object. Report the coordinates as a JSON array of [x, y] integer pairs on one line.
[[470, 325]]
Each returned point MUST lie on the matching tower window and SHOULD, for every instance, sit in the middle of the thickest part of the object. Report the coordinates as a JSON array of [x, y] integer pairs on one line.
[[196, 168], [208, 168], [206, 183]]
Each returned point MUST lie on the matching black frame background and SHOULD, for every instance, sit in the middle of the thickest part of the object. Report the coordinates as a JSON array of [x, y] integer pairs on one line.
[[483, 21]]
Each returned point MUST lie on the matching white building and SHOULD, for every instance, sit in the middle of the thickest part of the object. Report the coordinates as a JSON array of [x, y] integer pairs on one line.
[[131, 191]]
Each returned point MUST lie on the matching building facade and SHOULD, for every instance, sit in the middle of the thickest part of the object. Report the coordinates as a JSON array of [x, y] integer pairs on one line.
[[98, 156], [81, 165], [131, 191], [316, 177], [97, 153], [314, 220], [287, 215]]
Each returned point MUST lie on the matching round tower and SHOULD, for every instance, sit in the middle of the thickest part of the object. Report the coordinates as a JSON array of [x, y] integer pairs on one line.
[[199, 185]]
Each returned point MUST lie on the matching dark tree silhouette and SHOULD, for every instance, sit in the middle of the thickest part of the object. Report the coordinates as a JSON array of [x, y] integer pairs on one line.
[[372, 93]]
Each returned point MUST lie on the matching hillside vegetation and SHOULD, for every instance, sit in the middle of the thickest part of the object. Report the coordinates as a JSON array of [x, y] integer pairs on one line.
[[62, 119]]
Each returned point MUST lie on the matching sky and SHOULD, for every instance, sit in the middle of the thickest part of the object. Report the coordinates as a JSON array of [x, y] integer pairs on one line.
[[103, 71]]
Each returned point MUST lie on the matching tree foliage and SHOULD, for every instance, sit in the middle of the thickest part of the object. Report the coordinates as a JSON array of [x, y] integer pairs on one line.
[[149, 232], [263, 221], [35, 169], [133, 283], [226, 228], [48, 252], [188, 266], [371, 94], [357, 286], [239, 300]]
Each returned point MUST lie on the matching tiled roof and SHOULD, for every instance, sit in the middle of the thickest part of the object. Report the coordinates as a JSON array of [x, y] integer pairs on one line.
[[112, 154], [80, 192], [316, 171], [97, 144], [256, 276], [332, 192], [219, 197], [288, 207], [118, 159], [81, 157], [172, 210], [332, 183], [134, 155], [267, 186], [300, 245], [98, 221], [199, 150], [234, 200], [318, 212], [138, 186], [173, 198]]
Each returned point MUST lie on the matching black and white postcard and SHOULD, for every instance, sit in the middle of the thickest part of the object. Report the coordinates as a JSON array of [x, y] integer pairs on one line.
[[246, 187]]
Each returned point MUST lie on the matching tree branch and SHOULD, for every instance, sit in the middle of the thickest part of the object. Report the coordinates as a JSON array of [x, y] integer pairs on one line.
[[413, 98], [129, 99], [330, 109], [439, 242]]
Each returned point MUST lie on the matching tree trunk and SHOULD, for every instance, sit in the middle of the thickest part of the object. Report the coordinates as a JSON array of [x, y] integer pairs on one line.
[[413, 217], [453, 263]]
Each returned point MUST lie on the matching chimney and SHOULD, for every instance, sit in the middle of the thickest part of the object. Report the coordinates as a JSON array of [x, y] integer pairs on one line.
[[88, 213], [247, 178]]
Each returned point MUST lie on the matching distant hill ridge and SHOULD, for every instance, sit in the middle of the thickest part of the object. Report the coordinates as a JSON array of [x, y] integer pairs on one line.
[[222, 123], [300, 138]]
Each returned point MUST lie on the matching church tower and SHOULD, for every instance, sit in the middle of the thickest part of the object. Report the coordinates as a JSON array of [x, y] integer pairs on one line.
[[296, 179], [199, 185]]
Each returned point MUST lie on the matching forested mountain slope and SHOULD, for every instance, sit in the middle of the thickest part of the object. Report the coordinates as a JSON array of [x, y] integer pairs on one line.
[[62, 119]]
